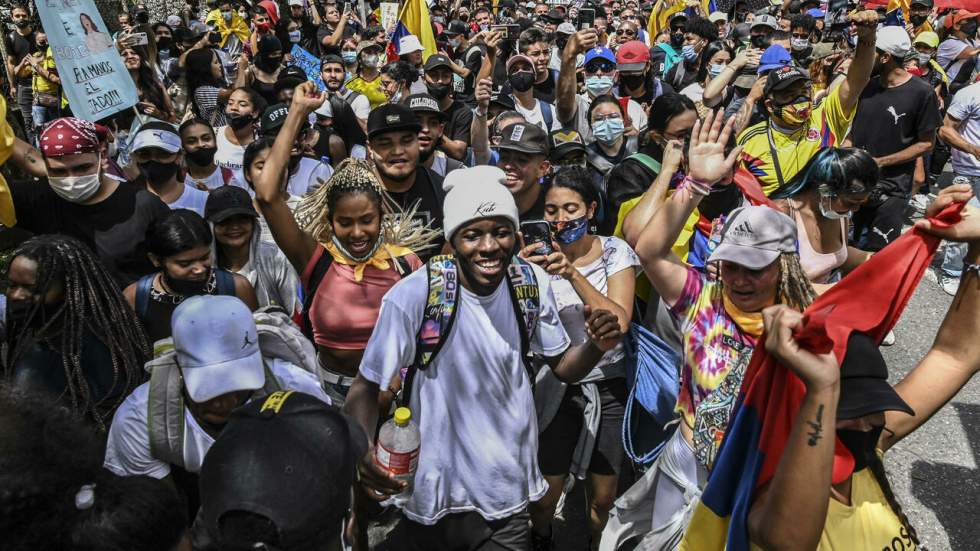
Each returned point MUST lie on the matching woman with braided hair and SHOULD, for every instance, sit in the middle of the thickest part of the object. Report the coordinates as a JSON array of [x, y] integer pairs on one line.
[[69, 330], [342, 244], [720, 319]]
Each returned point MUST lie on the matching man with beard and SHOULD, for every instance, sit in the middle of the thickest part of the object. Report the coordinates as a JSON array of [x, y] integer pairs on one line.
[[305, 174], [433, 121], [439, 82], [20, 44], [476, 394], [524, 152], [393, 143], [333, 74], [156, 151], [198, 142]]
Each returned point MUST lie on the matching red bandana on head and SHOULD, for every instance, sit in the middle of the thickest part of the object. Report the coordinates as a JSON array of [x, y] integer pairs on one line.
[[70, 136]]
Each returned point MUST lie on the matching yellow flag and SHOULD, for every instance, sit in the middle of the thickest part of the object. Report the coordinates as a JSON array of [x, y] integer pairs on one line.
[[415, 18], [660, 17]]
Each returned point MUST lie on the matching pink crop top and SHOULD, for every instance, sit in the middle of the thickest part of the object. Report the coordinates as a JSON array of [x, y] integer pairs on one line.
[[819, 266], [344, 312]]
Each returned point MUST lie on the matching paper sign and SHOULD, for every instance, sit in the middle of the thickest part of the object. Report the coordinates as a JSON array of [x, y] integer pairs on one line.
[[92, 73], [389, 16], [309, 63]]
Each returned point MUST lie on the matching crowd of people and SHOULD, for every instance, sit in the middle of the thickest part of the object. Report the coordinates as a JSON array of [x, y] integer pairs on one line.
[[215, 298]]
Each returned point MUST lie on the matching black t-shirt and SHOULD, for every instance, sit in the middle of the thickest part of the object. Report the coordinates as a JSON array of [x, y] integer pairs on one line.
[[17, 47], [114, 228], [679, 80], [308, 35], [653, 90], [536, 212], [546, 90], [890, 119], [427, 192], [458, 125], [472, 59]]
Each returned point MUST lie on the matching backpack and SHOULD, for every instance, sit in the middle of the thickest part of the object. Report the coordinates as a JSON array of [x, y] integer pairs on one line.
[[547, 115], [224, 280], [440, 312], [316, 276], [278, 338]]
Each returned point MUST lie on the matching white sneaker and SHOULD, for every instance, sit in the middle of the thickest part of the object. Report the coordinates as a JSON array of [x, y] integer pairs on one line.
[[931, 275], [949, 284], [889, 339], [919, 203]]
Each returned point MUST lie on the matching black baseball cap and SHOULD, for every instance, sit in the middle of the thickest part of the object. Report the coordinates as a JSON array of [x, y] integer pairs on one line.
[[566, 142], [290, 77], [272, 119], [392, 117], [502, 97], [227, 201], [926, 3], [437, 60], [554, 16], [289, 459], [864, 387], [784, 77], [455, 28], [425, 103], [524, 137]]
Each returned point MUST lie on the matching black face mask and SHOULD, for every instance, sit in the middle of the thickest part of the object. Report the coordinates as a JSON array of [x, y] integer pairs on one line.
[[861, 444], [267, 64], [740, 16], [438, 91], [22, 23], [522, 81], [165, 43], [18, 312], [969, 29], [237, 122], [917, 20], [632, 81], [202, 157], [677, 40], [322, 147], [761, 41], [561, 43], [43, 46], [187, 288], [156, 172]]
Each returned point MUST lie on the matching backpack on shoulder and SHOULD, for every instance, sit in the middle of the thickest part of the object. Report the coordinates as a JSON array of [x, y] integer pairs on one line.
[[224, 285]]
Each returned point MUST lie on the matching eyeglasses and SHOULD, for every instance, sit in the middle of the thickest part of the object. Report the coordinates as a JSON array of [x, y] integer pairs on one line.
[[597, 117], [627, 32], [600, 67]]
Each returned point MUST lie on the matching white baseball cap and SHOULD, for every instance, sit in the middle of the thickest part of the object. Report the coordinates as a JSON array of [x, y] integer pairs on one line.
[[766, 20], [408, 44], [893, 40], [217, 346], [157, 134], [475, 193], [296, 3], [717, 16]]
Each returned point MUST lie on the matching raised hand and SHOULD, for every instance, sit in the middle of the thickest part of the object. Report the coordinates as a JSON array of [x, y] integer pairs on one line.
[[706, 158], [603, 328], [967, 229], [581, 42], [816, 371], [307, 98], [482, 94]]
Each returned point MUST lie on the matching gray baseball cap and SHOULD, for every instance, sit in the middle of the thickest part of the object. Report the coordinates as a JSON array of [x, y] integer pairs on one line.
[[755, 236]]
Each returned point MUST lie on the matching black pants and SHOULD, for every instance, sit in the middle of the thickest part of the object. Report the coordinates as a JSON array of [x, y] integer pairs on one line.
[[879, 223], [470, 532]]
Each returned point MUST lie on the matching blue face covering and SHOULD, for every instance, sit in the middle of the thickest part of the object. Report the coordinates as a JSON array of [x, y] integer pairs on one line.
[[598, 85], [570, 231], [349, 57], [690, 53], [608, 131], [716, 69]]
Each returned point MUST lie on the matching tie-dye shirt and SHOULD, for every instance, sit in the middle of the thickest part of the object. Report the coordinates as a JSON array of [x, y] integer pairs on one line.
[[713, 343]]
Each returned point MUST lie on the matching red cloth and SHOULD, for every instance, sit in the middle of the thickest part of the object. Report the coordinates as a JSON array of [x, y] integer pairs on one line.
[[870, 300], [71, 136], [752, 189]]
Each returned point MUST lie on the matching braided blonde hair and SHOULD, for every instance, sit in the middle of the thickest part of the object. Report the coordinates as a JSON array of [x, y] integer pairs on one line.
[[358, 176]]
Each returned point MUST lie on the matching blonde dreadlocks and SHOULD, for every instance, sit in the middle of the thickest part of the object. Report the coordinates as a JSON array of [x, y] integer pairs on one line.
[[794, 288], [315, 212]]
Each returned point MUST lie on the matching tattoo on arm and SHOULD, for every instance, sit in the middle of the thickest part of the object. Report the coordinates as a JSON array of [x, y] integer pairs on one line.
[[817, 427]]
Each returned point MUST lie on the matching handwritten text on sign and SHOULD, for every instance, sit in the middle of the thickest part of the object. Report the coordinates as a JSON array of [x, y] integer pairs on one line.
[[93, 75]]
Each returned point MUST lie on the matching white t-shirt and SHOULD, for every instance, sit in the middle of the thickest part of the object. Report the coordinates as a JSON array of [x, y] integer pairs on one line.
[[310, 174], [948, 51], [534, 116], [473, 403], [965, 107], [213, 181], [616, 257], [229, 155], [361, 105], [128, 447], [192, 199]]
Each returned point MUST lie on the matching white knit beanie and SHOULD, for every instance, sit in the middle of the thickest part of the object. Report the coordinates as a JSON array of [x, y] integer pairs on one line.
[[474, 193]]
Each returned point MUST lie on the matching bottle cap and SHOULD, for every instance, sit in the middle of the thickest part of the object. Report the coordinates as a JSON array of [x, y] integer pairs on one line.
[[402, 416]]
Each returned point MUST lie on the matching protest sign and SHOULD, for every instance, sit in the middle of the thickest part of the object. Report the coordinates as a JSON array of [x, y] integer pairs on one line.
[[93, 75], [309, 63], [389, 16]]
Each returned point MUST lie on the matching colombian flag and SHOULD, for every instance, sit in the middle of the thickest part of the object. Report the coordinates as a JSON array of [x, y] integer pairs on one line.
[[413, 19], [869, 300], [660, 17]]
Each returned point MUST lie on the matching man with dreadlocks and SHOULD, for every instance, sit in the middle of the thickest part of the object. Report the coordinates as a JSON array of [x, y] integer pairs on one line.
[[82, 200], [68, 329], [348, 257]]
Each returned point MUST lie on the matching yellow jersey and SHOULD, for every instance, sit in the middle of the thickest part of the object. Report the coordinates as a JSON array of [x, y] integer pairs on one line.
[[826, 127], [371, 89], [41, 84]]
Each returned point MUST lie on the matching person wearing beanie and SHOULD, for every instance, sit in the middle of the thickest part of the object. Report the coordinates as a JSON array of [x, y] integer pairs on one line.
[[471, 394], [896, 122]]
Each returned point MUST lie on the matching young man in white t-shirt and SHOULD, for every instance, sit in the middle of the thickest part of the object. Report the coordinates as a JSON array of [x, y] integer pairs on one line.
[[477, 466], [156, 150], [520, 76], [221, 368]]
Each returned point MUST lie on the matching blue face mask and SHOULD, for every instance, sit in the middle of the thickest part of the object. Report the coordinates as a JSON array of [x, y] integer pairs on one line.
[[349, 57], [716, 69], [690, 53], [608, 131], [570, 231], [598, 85]]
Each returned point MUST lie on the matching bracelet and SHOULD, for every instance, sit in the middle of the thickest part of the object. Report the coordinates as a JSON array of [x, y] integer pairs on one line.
[[478, 114], [697, 187], [975, 268]]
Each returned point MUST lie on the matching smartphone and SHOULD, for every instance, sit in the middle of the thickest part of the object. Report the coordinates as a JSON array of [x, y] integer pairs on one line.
[[835, 21], [537, 231], [586, 18], [507, 32], [139, 39]]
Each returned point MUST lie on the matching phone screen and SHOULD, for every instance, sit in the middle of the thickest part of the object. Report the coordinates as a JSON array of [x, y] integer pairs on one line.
[[537, 231], [586, 18]]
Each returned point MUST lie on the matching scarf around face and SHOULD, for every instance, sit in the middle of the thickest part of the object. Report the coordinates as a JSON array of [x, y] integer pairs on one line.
[[379, 259]]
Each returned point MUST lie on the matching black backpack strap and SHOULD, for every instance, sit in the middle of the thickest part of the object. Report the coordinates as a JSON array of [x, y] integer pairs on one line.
[[309, 291], [402, 266], [143, 287]]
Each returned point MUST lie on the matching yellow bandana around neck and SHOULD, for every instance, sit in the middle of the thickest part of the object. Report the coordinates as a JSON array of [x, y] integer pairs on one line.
[[379, 259], [749, 322]]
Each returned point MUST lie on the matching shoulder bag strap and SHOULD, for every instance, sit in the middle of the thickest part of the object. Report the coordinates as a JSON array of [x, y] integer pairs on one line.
[[143, 288], [165, 414]]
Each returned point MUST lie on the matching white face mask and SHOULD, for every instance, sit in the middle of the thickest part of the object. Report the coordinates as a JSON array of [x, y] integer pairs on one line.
[[827, 209], [76, 189]]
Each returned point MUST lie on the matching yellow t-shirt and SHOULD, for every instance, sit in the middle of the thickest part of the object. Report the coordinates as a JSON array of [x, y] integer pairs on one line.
[[827, 127], [370, 89], [41, 84]]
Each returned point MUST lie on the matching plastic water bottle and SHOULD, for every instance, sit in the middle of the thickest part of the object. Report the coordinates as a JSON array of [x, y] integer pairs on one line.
[[397, 451]]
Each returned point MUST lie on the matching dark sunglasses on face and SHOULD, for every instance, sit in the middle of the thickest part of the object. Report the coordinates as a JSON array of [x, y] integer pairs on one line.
[[602, 66]]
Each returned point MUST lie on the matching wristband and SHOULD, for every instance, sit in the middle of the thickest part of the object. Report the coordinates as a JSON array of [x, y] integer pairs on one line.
[[975, 268], [696, 187], [478, 113]]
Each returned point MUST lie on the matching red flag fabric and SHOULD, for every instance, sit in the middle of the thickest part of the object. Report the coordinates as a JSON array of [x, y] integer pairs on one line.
[[752, 189]]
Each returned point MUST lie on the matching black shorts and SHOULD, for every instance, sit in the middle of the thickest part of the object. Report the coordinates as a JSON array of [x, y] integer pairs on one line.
[[557, 443]]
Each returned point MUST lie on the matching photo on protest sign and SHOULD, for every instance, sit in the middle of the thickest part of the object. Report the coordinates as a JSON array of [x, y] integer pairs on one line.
[[93, 75], [389, 16], [309, 63]]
